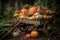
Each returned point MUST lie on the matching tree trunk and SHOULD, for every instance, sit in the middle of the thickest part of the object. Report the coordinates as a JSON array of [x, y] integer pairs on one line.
[[0, 7]]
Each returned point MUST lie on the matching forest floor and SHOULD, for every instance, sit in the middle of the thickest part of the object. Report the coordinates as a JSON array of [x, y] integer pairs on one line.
[[21, 37]]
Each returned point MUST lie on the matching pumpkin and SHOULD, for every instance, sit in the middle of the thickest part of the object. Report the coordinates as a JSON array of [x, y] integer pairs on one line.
[[33, 17], [49, 17], [25, 17], [24, 11], [45, 17], [33, 10], [21, 15], [28, 36], [34, 34]]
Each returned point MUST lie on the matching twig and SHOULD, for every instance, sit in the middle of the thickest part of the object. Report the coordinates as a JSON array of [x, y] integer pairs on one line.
[[45, 25]]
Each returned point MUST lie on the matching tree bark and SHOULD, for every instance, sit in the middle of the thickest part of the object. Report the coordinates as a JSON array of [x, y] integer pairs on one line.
[[0, 7]]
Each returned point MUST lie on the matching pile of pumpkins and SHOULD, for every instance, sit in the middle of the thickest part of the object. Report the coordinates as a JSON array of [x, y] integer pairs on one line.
[[33, 13], [33, 34]]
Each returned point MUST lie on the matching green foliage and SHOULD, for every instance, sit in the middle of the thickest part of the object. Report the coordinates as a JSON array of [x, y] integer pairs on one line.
[[52, 5], [8, 13], [26, 6], [49, 3], [4, 26]]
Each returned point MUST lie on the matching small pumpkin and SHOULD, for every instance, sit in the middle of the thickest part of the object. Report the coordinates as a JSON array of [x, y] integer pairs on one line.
[[25, 17], [33, 17], [28, 36], [49, 17], [24, 11], [33, 10], [22, 15], [34, 34], [45, 17]]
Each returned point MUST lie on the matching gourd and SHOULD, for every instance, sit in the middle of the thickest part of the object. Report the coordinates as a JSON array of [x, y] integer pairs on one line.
[[24, 11], [21, 15], [16, 13], [33, 10], [33, 17], [47, 17], [27, 35], [38, 17], [34, 34]]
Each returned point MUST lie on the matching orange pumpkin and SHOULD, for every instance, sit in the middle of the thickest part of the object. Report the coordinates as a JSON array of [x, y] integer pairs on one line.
[[21, 14], [24, 11], [28, 36], [49, 17], [25, 17], [33, 10], [34, 34], [33, 17], [45, 17]]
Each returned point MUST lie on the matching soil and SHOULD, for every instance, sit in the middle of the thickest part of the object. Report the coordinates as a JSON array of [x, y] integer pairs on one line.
[[22, 37]]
